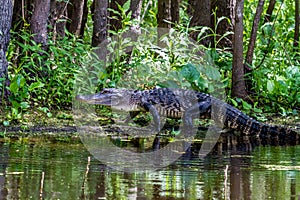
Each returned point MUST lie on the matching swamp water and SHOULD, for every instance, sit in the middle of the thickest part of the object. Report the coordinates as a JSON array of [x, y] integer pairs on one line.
[[68, 171]]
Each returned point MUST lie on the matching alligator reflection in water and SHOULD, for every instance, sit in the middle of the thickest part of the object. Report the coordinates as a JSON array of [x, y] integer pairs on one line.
[[263, 172]]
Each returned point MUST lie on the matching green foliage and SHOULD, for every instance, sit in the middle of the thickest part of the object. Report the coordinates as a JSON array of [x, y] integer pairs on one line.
[[42, 78], [276, 62]]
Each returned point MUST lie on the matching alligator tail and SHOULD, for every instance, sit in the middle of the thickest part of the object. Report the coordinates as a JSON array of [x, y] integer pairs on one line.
[[279, 132]]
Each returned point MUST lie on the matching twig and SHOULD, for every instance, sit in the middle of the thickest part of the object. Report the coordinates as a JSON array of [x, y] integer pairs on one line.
[[87, 167], [225, 183], [86, 174], [145, 11], [42, 185]]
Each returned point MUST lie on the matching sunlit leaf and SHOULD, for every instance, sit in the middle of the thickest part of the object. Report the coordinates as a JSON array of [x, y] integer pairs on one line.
[[246, 105], [270, 86], [190, 72], [212, 72], [35, 85]]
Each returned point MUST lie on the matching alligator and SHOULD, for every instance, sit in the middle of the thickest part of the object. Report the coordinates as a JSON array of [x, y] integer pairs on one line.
[[187, 105]]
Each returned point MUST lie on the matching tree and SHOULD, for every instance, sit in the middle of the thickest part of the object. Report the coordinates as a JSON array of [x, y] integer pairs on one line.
[[175, 11], [202, 18], [21, 13], [135, 8], [238, 82], [224, 8], [269, 11], [100, 21], [58, 18], [76, 15], [6, 9], [84, 17], [38, 22], [164, 14], [163, 19], [251, 46], [115, 21]]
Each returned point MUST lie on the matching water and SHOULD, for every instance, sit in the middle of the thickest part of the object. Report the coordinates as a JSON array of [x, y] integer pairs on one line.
[[63, 171]]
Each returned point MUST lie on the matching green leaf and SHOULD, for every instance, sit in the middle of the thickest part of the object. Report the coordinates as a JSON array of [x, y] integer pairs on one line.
[[168, 84], [49, 114], [6, 123], [35, 85], [24, 105], [234, 102], [17, 82], [257, 110], [14, 112], [13, 87], [270, 85], [15, 104], [212, 73], [126, 6], [190, 72], [246, 105]]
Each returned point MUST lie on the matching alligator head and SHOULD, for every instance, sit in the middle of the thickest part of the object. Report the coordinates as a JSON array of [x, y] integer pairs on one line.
[[120, 99]]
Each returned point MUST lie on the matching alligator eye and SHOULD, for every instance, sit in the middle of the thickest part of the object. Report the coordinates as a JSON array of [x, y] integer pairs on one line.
[[105, 91]]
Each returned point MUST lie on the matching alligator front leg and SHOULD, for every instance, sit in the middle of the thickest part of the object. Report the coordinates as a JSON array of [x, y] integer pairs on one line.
[[156, 118], [132, 114], [195, 111]]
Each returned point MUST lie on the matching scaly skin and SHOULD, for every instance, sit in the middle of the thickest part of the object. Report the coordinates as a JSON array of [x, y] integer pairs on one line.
[[186, 104]]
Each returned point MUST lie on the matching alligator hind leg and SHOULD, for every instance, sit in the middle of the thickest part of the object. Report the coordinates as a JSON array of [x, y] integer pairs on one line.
[[193, 112]]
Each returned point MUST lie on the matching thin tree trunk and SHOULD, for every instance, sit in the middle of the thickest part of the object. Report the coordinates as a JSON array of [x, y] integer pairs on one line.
[[163, 20], [224, 8], [75, 11], [6, 9], [136, 7], [238, 82], [269, 11], [175, 11], [251, 46], [297, 22], [202, 18], [58, 18], [84, 17], [164, 14], [39, 22], [21, 13], [100, 22], [115, 21]]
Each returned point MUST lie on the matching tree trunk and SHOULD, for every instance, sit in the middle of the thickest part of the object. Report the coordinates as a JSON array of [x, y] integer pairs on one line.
[[238, 82], [269, 11], [84, 17], [224, 8], [21, 13], [100, 22], [115, 20], [297, 22], [75, 11], [6, 9], [58, 18], [202, 18], [136, 7], [163, 20], [251, 46], [39, 22], [175, 11], [164, 13]]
